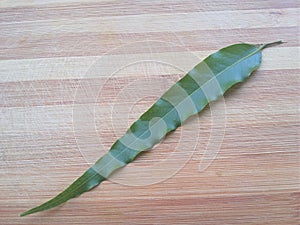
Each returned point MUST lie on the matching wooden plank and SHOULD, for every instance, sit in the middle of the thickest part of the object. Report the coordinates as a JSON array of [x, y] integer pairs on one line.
[[74, 74]]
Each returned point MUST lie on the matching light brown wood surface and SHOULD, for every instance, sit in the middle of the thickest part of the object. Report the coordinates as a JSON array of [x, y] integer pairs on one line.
[[74, 74]]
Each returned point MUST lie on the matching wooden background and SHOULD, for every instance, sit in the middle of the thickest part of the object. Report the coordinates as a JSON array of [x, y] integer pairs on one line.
[[62, 106]]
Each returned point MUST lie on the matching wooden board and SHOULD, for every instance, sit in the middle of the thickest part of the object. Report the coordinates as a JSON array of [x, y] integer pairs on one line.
[[74, 74]]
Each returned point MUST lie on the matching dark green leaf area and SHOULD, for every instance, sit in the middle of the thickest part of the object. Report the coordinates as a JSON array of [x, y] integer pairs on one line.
[[162, 109], [228, 56]]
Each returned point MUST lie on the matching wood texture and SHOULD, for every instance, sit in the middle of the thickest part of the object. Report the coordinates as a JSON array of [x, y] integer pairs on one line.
[[65, 98]]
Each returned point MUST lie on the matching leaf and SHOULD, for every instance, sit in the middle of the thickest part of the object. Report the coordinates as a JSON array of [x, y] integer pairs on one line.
[[204, 83]]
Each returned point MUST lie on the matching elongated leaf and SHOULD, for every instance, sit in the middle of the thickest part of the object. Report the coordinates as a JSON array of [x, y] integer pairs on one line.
[[204, 83]]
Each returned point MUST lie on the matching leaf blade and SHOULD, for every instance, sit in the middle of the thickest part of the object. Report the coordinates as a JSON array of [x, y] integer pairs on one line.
[[207, 81]]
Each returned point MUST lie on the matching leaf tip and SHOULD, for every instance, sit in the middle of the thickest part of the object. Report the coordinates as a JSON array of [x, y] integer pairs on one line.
[[22, 214], [271, 44], [26, 213]]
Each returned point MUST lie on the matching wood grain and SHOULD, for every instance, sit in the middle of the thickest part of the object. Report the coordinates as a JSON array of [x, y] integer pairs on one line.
[[69, 88]]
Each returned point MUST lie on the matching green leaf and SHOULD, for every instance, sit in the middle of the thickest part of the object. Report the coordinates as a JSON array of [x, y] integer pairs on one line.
[[204, 83]]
